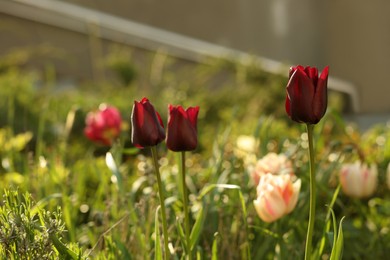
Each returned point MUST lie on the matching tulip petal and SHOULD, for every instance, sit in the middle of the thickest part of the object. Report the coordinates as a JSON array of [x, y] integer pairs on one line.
[[312, 73], [300, 92], [288, 105], [294, 196], [192, 113], [182, 133], [357, 180], [320, 100], [147, 126]]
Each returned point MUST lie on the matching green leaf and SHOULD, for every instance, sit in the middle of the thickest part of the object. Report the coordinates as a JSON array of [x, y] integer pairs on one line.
[[334, 227], [181, 233], [64, 251], [130, 151], [43, 202], [328, 223], [265, 231], [211, 187], [157, 245], [197, 228], [337, 251], [214, 250]]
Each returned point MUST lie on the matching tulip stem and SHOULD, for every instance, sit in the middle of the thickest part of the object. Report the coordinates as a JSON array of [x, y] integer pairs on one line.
[[162, 202], [185, 204], [312, 209]]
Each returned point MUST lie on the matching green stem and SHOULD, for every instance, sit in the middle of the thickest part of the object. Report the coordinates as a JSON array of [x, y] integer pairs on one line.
[[162, 202], [312, 209], [185, 204]]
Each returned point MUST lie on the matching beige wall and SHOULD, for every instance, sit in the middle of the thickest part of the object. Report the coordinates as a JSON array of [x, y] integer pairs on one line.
[[358, 48], [353, 37]]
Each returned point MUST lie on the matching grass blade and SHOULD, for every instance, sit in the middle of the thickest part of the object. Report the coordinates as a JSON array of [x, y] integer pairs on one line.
[[197, 228], [214, 250], [338, 245], [181, 233]]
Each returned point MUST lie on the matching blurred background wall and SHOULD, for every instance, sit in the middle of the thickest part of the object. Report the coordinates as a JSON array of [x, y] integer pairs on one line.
[[352, 37]]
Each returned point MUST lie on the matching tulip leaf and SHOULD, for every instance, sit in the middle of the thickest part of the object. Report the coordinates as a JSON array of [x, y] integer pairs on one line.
[[197, 228], [328, 223], [334, 227], [181, 233], [211, 187], [214, 250], [157, 245], [338, 245]]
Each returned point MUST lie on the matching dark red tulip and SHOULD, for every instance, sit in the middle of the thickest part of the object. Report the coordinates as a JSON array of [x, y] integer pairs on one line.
[[104, 125], [307, 96], [182, 130], [147, 126]]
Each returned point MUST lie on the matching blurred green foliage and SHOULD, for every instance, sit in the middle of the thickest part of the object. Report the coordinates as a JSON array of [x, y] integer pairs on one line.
[[110, 211]]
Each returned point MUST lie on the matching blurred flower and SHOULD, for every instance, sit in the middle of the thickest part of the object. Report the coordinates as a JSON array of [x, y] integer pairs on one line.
[[147, 126], [182, 128], [277, 195], [246, 143], [357, 180], [246, 148], [388, 176], [104, 125], [272, 163], [307, 100]]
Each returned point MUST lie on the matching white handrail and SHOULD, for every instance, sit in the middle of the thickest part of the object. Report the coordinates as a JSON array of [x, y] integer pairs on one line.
[[79, 19]]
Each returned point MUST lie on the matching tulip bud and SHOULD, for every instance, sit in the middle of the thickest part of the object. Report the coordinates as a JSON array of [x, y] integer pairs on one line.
[[147, 126], [182, 128], [104, 125], [277, 195], [357, 180], [272, 163], [307, 99]]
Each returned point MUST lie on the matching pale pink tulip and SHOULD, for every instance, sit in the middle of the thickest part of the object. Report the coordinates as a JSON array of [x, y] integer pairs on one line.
[[277, 195], [358, 180], [272, 163]]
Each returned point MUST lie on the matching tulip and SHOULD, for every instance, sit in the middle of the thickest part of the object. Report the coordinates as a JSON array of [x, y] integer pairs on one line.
[[277, 195], [358, 180], [147, 126], [246, 145], [272, 163], [307, 99], [182, 129], [104, 125]]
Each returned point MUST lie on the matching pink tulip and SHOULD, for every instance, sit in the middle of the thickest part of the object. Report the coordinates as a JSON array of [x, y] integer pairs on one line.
[[277, 195], [357, 180], [104, 125], [272, 163]]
